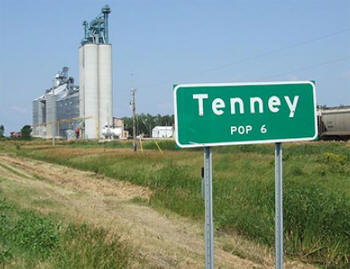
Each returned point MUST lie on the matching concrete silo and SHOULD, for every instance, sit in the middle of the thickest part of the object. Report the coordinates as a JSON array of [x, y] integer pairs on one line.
[[95, 77], [81, 83], [88, 94], [105, 86]]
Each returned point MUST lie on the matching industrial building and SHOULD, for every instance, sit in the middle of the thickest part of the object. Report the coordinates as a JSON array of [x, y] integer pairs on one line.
[[59, 103], [163, 132], [84, 110]]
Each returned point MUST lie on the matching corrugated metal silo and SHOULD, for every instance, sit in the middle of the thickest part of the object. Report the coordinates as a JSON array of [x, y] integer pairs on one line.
[[42, 118], [51, 115], [35, 117]]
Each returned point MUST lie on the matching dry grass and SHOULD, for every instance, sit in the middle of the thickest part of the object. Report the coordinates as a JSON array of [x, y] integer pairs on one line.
[[165, 240]]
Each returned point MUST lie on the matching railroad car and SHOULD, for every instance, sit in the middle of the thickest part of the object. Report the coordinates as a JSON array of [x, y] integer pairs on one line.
[[334, 123]]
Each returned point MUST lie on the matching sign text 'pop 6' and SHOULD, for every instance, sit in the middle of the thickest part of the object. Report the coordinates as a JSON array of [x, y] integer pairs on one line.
[[244, 113]]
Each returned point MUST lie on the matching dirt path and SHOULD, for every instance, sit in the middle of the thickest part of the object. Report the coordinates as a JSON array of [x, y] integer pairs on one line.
[[165, 240]]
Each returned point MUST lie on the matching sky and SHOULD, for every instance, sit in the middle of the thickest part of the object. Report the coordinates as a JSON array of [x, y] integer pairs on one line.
[[159, 43]]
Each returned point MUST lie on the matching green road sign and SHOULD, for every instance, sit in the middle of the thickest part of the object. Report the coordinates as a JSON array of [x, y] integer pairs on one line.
[[244, 113]]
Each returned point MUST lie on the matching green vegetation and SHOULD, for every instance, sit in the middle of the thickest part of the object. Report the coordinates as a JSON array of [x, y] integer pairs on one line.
[[316, 189], [26, 132], [2, 131], [28, 238], [146, 122]]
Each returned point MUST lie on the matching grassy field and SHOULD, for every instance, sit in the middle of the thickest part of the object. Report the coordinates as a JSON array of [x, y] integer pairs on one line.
[[29, 239], [316, 188]]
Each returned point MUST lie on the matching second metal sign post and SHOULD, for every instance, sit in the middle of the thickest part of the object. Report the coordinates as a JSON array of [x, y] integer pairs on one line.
[[244, 113], [208, 198]]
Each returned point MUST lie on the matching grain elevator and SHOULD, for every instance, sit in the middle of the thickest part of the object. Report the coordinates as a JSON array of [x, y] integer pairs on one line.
[[95, 76], [57, 110], [86, 110]]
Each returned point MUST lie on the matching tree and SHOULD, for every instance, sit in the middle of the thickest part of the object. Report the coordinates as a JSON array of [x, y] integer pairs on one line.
[[140, 124], [2, 130], [26, 132], [128, 124], [146, 122], [149, 121], [158, 120]]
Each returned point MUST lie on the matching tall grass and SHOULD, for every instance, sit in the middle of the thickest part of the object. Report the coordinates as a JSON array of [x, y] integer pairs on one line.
[[316, 190], [28, 239]]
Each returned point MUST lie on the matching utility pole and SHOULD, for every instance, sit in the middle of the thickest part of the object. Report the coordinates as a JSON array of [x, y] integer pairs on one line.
[[133, 118]]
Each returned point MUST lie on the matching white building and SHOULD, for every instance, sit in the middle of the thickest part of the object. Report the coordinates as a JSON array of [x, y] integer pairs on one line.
[[162, 132]]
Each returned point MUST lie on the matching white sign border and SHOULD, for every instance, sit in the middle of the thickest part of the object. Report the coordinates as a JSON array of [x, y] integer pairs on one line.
[[196, 145]]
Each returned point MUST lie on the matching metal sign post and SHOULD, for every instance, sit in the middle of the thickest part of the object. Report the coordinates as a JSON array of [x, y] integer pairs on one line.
[[278, 207], [202, 183], [218, 114], [208, 193]]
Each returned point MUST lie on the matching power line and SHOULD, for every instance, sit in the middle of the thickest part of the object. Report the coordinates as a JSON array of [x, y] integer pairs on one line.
[[286, 73], [307, 67], [267, 53], [302, 43]]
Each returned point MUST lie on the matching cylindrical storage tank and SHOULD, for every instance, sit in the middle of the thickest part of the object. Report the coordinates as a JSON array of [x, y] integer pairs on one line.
[[81, 83], [40, 113], [105, 86], [51, 115], [42, 118], [90, 91], [35, 117]]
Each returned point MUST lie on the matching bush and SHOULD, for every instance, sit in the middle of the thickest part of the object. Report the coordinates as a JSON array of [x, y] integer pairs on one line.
[[26, 132], [2, 131]]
